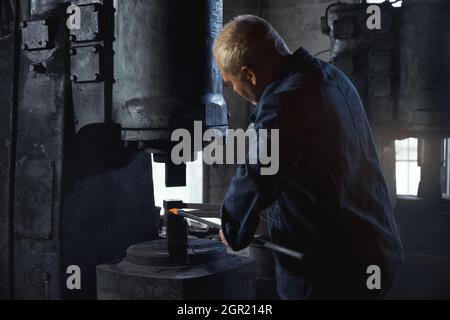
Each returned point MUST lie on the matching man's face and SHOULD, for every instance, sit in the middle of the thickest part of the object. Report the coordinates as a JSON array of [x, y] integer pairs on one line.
[[241, 85]]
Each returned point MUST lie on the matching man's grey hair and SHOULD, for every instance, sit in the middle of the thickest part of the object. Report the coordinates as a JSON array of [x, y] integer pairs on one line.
[[244, 41]]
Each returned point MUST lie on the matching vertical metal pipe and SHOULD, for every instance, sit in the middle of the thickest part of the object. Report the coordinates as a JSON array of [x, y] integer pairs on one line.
[[430, 174], [12, 166]]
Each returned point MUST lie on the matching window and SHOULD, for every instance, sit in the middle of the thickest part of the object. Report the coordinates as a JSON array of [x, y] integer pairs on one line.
[[407, 170], [395, 3], [192, 192]]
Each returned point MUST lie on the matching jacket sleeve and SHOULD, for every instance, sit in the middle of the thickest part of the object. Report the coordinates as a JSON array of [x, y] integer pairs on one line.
[[250, 192]]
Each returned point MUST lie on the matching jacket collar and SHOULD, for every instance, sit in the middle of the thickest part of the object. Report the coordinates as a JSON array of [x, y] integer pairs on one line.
[[296, 62]]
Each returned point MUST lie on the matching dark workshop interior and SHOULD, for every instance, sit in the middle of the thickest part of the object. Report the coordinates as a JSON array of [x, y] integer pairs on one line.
[[87, 185]]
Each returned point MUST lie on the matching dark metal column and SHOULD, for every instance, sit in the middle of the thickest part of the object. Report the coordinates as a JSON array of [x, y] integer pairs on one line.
[[8, 106], [430, 163]]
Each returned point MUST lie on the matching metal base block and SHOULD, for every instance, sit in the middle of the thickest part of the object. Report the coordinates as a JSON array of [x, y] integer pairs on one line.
[[224, 277]]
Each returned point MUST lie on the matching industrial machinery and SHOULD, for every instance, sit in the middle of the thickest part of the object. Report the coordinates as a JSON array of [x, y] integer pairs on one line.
[[80, 102], [178, 267], [401, 72]]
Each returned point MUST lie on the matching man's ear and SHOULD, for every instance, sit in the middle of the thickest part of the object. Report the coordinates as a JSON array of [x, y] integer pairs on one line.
[[248, 74]]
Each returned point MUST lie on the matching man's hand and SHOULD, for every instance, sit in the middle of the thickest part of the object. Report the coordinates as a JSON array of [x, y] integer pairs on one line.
[[222, 237]]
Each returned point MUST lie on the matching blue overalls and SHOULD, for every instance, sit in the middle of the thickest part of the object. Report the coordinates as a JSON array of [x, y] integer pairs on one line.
[[329, 198]]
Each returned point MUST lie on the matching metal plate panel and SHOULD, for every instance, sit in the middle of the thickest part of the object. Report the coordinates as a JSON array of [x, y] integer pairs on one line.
[[90, 23], [35, 35], [33, 203], [85, 64]]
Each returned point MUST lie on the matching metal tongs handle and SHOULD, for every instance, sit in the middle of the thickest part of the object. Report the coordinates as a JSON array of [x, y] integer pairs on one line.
[[265, 243]]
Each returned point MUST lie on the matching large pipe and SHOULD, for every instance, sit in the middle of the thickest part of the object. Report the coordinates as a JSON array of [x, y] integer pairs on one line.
[[165, 75]]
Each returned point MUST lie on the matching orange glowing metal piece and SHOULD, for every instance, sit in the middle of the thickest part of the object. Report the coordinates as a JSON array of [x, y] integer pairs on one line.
[[174, 211]]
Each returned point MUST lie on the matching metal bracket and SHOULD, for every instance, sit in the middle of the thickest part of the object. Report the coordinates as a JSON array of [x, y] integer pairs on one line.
[[86, 63], [90, 24], [35, 35], [380, 81]]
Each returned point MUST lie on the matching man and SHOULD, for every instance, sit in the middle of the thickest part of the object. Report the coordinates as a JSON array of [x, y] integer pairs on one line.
[[329, 198]]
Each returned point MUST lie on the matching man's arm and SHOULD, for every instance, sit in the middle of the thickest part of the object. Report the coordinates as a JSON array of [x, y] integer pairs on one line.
[[250, 192]]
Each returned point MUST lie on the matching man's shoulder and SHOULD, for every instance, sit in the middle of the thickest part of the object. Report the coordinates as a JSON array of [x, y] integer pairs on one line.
[[293, 81], [304, 82], [296, 88]]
